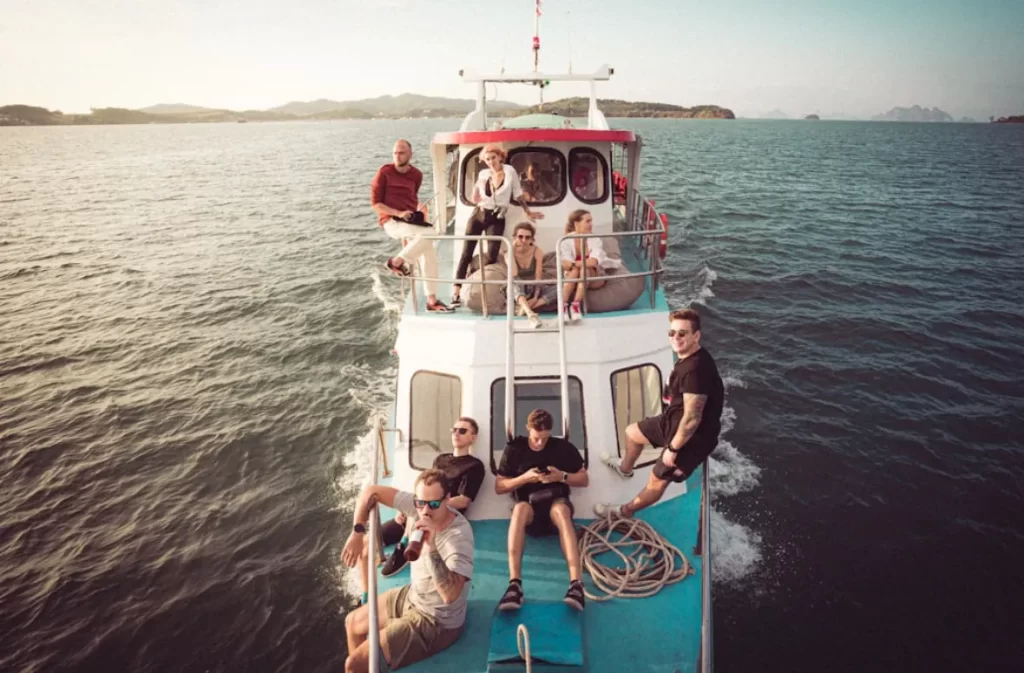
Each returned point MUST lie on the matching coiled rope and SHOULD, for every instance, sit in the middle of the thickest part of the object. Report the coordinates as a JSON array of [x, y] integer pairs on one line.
[[648, 560]]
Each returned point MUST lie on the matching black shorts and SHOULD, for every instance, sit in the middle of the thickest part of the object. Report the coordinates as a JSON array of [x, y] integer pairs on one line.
[[688, 459], [542, 525], [653, 428]]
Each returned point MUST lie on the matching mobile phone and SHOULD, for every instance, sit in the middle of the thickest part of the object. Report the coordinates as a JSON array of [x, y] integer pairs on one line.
[[544, 470]]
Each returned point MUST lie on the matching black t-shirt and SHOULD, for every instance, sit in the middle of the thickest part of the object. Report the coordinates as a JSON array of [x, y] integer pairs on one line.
[[696, 374], [519, 458], [465, 474]]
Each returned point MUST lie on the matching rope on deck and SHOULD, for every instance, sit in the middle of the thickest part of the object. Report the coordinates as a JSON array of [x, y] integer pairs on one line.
[[648, 559], [523, 644]]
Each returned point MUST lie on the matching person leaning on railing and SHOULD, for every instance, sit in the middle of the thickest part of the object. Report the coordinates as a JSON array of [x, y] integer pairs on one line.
[[496, 189], [394, 195], [427, 615]]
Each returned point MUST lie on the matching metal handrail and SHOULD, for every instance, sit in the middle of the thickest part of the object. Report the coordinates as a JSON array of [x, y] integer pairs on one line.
[[371, 584], [707, 623]]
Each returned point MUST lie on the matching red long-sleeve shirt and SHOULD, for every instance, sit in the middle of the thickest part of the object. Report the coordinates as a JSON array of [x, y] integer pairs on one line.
[[396, 190]]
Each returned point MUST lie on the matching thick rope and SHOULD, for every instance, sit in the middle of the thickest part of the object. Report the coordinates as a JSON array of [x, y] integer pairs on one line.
[[648, 560], [523, 644]]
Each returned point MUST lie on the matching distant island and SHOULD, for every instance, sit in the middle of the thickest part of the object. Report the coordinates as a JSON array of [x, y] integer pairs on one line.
[[405, 106], [1015, 119], [813, 117], [913, 114], [577, 107]]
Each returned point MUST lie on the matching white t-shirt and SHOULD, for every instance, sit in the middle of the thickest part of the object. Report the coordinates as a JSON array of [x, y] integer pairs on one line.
[[455, 545], [510, 189], [595, 250]]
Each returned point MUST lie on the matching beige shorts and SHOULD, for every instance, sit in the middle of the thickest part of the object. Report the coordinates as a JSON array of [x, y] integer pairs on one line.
[[413, 636]]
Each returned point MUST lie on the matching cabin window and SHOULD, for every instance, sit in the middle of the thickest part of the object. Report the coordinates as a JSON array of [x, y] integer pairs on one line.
[[471, 167], [636, 394], [588, 175], [537, 393], [542, 174], [435, 403]]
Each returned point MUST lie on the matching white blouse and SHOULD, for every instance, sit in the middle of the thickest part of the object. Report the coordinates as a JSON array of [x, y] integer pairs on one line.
[[595, 250], [500, 199]]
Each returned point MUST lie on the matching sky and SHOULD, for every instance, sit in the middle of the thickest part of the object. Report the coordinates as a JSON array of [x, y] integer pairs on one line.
[[855, 58]]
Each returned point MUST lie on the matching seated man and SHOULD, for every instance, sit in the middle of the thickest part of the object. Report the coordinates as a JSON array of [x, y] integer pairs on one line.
[[538, 470], [428, 615], [394, 194], [687, 431], [464, 474]]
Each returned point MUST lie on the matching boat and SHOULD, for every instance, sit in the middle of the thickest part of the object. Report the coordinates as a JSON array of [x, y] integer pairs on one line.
[[595, 376]]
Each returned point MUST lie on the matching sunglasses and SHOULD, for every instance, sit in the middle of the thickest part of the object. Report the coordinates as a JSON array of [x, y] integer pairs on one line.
[[672, 333], [460, 431], [523, 238], [432, 504]]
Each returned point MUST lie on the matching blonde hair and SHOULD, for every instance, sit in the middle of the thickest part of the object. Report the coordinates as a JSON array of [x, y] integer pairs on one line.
[[574, 217], [497, 149]]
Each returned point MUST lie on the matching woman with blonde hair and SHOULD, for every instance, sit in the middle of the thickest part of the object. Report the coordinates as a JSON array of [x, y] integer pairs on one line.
[[497, 188], [576, 253], [526, 260]]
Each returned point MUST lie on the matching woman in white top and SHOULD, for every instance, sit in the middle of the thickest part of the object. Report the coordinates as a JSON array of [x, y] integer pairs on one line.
[[497, 187], [577, 252]]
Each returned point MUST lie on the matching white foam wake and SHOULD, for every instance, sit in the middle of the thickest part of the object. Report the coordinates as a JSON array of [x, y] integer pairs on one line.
[[735, 549]]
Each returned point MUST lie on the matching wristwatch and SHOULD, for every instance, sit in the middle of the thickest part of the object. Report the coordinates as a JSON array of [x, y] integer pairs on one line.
[[669, 447], [359, 528], [565, 476]]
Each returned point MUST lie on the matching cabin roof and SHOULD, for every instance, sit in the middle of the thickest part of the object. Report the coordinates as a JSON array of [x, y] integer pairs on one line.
[[523, 135]]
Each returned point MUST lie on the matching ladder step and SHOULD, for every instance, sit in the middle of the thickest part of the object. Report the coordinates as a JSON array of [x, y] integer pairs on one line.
[[536, 330]]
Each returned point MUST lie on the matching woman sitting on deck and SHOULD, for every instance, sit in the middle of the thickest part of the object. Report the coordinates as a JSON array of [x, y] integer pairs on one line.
[[577, 252], [497, 187], [528, 261]]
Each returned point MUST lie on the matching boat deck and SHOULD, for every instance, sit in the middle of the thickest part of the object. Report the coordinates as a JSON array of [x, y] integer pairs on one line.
[[659, 634]]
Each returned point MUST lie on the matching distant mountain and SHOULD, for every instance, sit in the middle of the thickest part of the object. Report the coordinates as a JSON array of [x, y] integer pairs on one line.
[[577, 107], [812, 117], [774, 114], [175, 109], [1016, 119], [913, 114], [402, 105]]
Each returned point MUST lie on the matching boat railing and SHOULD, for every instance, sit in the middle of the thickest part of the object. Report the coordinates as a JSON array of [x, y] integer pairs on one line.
[[707, 618], [371, 585]]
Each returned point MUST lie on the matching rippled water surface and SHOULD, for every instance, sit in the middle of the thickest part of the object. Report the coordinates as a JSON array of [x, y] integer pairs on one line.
[[194, 335]]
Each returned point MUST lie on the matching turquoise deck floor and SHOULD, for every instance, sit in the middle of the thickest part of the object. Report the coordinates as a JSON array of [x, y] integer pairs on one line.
[[660, 634]]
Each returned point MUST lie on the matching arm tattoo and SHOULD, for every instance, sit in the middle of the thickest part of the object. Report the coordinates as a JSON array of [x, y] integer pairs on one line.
[[444, 578]]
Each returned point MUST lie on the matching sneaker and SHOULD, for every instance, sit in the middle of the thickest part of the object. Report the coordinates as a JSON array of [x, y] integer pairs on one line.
[[613, 463], [399, 270], [513, 597], [438, 307], [605, 510], [395, 562], [535, 322], [565, 314], [574, 312], [456, 301], [574, 597]]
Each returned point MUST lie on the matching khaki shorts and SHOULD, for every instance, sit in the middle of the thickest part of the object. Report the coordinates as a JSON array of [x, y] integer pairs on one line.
[[413, 636]]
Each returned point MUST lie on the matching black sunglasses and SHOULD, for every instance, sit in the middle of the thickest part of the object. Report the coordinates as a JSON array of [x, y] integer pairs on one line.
[[672, 333], [460, 431], [521, 237], [432, 504]]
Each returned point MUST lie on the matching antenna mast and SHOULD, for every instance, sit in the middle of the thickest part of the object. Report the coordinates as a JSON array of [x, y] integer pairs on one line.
[[536, 46]]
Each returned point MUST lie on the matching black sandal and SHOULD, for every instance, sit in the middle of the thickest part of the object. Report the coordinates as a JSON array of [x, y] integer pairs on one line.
[[513, 597], [438, 307]]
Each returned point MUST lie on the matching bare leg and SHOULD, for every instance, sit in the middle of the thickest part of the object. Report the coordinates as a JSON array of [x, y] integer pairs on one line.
[[562, 518], [358, 660], [651, 494], [357, 623], [635, 443], [522, 515], [569, 289]]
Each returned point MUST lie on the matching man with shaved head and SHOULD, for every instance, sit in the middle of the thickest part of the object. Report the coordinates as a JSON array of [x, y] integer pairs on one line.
[[394, 194]]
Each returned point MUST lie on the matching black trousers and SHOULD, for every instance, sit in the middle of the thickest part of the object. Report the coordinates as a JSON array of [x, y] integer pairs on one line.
[[482, 222]]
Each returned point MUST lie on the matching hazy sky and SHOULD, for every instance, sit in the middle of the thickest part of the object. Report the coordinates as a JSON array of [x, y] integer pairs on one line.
[[858, 57]]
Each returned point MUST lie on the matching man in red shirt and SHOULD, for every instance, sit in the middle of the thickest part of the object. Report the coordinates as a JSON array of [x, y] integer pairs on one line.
[[394, 194]]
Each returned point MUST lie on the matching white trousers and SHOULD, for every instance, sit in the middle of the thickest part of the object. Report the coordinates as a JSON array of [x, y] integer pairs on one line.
[[418, 249]]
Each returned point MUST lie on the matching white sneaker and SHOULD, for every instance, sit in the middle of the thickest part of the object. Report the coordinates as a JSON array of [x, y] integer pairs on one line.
[[605, 510], [535, 322], [574, 312], [613, 463]]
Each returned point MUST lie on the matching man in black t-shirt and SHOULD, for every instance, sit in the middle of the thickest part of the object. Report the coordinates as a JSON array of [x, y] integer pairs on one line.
[[687, 429], [538, 470], [464, 474]]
